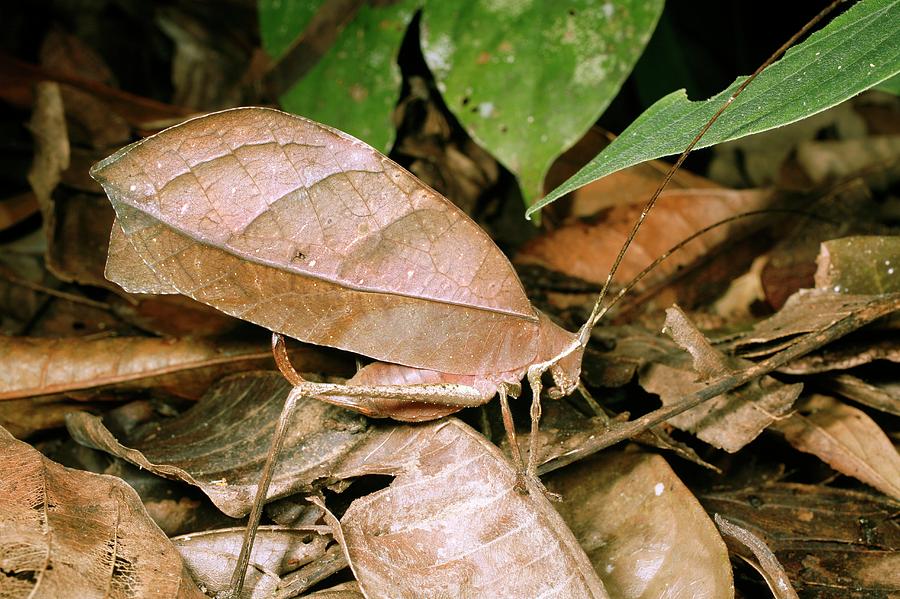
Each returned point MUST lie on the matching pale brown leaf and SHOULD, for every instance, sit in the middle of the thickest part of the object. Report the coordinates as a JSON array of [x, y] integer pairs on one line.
[[220, 444], [212, 555], [348, 590], [731, 420], [643, 530], [452, 525], [587, 251], [847, 440], [882, 396], [40, 366], [68, 533]]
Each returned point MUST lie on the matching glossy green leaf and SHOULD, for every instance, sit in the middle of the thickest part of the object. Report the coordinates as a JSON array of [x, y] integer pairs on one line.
[[856, 51], [527, 79], [356, 84]]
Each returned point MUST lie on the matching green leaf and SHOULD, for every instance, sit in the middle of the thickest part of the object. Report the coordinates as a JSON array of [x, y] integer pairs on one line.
[[891, 86], [862, 264], [281, 21], [527, 79], [356, 84], [856, 51]]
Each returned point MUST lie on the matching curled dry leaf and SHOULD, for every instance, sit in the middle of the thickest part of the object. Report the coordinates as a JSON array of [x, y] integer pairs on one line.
[[39, 366], [452, 524], [847, 439], [806, 311], [587, 251], [220, 444], [884, 397], [68, 533], [766, 562], [865, 264], [643, 530], [212, 555], [348, 590], [833, 543], [731, 420], [844, 355]]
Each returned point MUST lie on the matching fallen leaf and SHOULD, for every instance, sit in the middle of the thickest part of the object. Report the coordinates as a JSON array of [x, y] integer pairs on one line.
[[68, 533], [764, 560], [644, 532], [40, 366], [882, 396], [847, 440], [806, 311], [220, 444], [833, 543], [211, 557], [865, 264], [24, 417], [451, 523], [312, 574], [832, 160], [731, 420], [587, 251], [348, 590], [846, 354]]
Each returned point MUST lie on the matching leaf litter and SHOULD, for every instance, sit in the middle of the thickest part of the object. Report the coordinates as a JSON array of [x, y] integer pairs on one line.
[[865, 546]]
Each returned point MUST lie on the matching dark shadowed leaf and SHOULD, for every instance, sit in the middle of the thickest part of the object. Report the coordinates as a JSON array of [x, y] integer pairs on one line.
[[212, 555], [847, 439], [452, 524], [68, 533], [881, 396], [846, 354], [221, 443], [643, 530], [834, 543]]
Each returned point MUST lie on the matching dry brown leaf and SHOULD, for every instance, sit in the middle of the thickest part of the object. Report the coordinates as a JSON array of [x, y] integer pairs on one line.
[[806, 311], [883, 396], [451, 523], [832, 160], [309, 232], [765, 561], [844, 355], [643, 530], [729, 421], [220, 444], [24, 417], [68, 533], [587, 251], [212, 555], [38, 366], [847, 440], [833, 543], [348, 590]]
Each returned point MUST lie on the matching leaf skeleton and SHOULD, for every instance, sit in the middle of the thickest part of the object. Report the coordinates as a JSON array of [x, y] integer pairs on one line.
[[312, 234]]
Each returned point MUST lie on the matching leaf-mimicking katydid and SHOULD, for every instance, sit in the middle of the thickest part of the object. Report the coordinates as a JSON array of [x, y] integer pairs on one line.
[[313, 234]]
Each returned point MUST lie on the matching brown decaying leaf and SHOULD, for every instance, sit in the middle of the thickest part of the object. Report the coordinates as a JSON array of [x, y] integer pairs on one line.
[[834, 159], [38, 366], [765, 563], [24, 417], [847, 439], [806, 311], [643, 530], [220, 444], [212, 555], [833, 543], [864, 264], [882, 396], [304, 230], [452, 524], [844, 355], [587, 251], [68, 533], [731, 420], [348, 590]]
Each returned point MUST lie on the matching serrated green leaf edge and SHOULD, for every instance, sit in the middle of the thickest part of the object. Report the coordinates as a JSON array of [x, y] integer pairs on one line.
[[858, 50]]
